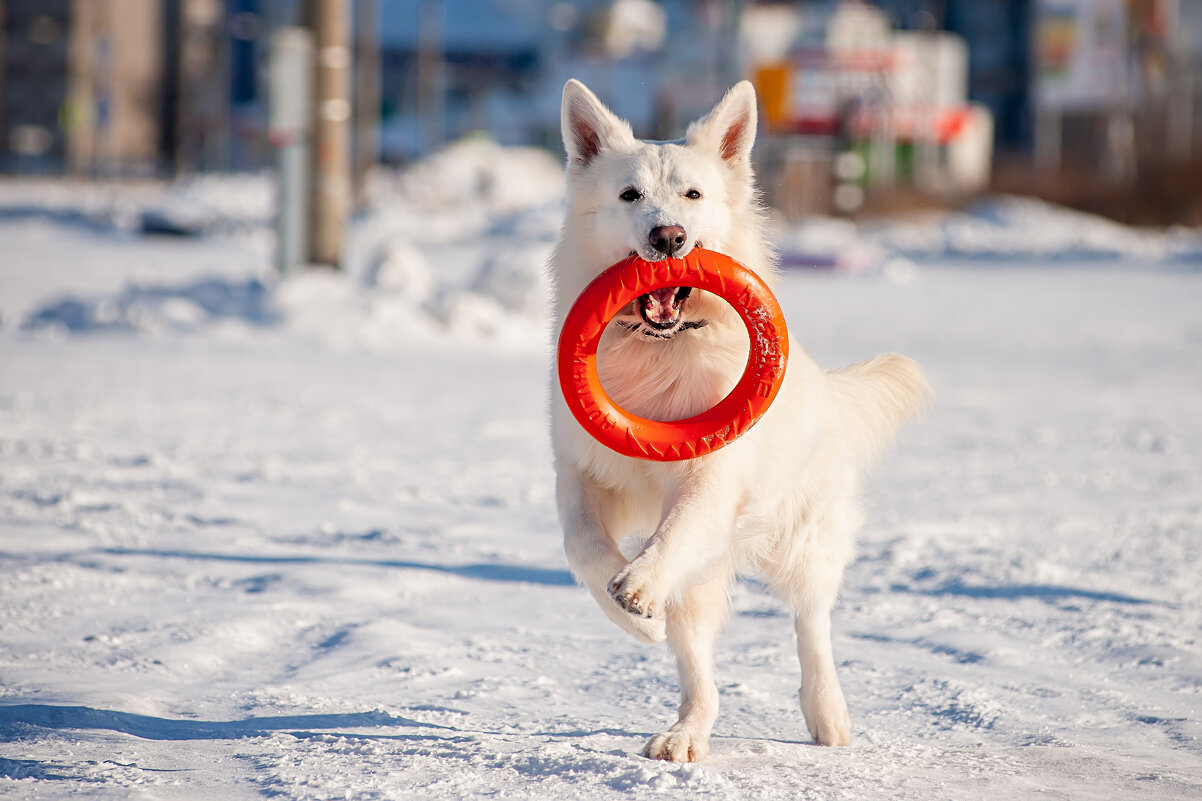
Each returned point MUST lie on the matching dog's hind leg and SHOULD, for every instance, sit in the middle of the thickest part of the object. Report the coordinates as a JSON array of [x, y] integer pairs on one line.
[[808, 576], [593, 552], [822, 700], [693, 625]]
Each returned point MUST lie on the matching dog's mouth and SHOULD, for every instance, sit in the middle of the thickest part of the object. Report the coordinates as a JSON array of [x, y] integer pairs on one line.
[[661, 309]]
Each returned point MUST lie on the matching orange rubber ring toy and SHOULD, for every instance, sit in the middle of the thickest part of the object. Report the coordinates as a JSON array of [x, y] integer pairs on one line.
[[695, 436]]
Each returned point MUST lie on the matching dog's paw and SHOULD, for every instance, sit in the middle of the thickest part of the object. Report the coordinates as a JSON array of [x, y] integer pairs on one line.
[[831, 732], [678, 746], [827, 719], [632, 590]]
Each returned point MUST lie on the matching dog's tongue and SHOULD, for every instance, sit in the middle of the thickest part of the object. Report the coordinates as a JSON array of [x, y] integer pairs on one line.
[[660, 306]]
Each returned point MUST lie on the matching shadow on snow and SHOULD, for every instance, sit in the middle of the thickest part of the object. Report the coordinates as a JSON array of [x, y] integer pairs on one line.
[[15, 719], [32, 769], [526, 574], [1043, 592], [173, 306]]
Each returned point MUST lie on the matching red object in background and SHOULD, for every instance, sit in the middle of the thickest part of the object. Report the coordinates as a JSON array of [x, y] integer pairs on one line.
[[704, 433]]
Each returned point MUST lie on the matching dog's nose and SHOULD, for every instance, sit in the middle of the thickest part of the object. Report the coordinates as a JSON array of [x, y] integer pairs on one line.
[[667, 239]]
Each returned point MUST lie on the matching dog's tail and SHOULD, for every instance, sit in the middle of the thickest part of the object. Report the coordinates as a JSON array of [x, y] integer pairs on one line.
[[875, 397]]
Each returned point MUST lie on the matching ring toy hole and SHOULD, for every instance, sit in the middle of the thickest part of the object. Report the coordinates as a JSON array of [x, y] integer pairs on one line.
[[730, 418]]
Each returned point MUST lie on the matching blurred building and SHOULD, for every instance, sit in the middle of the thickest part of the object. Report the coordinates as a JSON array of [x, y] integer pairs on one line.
[[33, 82], [857, 109], [128, 87], [1094, 103], [861, 100], [453, 67], [80, 84]]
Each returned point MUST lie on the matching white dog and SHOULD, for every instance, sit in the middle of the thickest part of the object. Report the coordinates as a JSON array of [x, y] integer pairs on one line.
[[782, 501]]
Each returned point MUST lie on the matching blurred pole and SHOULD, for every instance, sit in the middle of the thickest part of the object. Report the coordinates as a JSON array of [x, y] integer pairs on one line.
[[169, 84], [81, 60], [186, 114], [4, 44], [1180, 110], [367, 94], [430, 79], [219, 153], [202, 116], [1047, 139], [1119, 160], [290, 116], [330, 195]]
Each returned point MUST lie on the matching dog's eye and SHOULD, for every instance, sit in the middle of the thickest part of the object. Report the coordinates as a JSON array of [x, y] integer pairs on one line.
[[693, 194], [631, 195]]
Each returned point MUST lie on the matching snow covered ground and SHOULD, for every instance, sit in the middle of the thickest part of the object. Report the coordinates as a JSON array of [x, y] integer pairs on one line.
[[297, 538]]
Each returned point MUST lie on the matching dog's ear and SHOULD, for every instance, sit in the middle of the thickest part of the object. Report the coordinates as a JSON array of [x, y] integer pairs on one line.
[[588, 126], [730, 127]]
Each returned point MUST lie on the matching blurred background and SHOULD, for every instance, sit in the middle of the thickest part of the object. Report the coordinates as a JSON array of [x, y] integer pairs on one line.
[[866, 107]]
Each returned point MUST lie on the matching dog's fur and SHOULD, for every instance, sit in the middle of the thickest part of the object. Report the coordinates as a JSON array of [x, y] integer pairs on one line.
[[781, 501]]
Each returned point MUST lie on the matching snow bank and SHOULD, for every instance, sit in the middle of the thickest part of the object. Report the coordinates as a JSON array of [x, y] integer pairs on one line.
[[478, 172], [193, 205], [210, 203], [456, 246], [1016, 228], [1004, 228]]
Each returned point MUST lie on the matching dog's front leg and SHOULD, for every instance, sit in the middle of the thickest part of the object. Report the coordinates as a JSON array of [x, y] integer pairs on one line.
[[693, 626], [695, 531], [592, 548]]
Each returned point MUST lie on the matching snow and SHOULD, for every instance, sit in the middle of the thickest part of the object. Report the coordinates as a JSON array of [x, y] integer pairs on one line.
[[297, 537], [1006, 229]]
